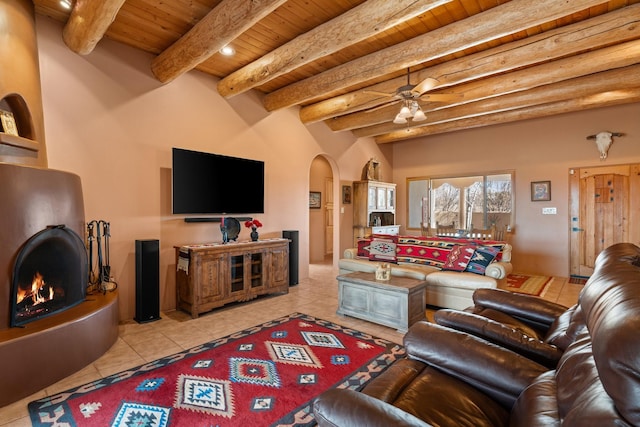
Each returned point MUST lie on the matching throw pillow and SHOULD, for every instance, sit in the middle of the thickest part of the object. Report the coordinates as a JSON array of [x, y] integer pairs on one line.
[[482, 257], [363, 248], [459, 257], [383, 248]]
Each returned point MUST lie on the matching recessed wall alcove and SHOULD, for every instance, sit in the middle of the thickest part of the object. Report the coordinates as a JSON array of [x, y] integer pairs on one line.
[[33, 198]]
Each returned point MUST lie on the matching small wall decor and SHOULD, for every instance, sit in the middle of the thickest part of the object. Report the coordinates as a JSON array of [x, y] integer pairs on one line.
[[314, 199], [603, 142], [346, 194], [8, 123], [371, 171], [540, 191]]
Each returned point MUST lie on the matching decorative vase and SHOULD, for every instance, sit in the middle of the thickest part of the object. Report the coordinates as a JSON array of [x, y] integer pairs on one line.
[[225, 235], [254, 234]]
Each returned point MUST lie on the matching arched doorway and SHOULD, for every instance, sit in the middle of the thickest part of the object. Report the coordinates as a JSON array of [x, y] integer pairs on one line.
[[323, 229]]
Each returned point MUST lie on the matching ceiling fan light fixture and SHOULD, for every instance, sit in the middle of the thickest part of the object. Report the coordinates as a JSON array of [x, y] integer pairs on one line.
[[405, 112], [399, 120], [419, 116]]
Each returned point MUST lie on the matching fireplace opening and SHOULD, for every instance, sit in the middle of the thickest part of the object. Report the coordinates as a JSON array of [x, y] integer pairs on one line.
[[50, 275]]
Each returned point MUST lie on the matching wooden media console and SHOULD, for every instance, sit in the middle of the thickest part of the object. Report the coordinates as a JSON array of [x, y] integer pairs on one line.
[[212, 275]]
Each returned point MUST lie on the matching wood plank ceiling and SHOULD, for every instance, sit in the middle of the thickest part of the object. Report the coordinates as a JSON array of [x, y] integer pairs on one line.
[[336, 59]]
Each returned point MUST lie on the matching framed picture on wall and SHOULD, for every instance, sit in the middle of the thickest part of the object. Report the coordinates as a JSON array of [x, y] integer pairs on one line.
[[346, 194], [314, 199], [540, 191]]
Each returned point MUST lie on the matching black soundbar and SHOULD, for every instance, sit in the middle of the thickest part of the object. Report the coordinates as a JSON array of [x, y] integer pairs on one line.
[[216, 219]]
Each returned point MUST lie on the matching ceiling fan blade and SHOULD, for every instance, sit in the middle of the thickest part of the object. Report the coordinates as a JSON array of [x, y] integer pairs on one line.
[[375, 92], [386, 104], [425, 85], [441, 97]]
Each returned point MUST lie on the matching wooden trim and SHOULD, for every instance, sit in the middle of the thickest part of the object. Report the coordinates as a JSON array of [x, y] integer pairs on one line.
[[18, 141]]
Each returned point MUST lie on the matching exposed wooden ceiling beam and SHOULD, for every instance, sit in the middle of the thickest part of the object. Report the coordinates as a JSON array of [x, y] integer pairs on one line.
[[357, 24], [607, 81], [615, 27], [608, 99], [88, 22], [612, 57], [219, 27], [508, 18]]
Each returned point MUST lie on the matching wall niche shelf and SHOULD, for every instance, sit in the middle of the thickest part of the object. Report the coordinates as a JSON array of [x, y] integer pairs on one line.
[[18, 141]]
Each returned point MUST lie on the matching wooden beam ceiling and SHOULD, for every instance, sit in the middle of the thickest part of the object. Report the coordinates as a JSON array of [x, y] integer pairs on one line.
[[616, 27], [586, 102], [371, 17], [508, 59], [88, 22], [500, 86], [484, 27], [217, 29], [593, 84]]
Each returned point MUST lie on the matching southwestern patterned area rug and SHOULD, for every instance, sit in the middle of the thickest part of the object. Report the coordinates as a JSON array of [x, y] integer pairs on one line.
[[528, 284], [267, 375]]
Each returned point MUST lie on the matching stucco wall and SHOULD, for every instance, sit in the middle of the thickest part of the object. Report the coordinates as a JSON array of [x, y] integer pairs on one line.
[[109, 121], [538, 150]]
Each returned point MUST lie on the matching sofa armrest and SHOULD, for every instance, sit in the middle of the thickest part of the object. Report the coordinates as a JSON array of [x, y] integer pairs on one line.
[[525, 307], [351, 253], [498, 270], [498, 333], [498, 372], [341, 407]]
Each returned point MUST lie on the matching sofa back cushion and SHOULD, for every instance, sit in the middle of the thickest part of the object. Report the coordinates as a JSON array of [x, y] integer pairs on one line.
[[597, 381], [610, 303]]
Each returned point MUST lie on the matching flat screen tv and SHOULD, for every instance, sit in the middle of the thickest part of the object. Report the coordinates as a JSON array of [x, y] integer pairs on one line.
[[205, 183]]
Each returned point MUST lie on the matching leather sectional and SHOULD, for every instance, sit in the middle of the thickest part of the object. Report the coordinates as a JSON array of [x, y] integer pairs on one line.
[[452, 378]]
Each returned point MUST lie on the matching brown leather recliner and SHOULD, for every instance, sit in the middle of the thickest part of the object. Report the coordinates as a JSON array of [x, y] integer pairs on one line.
[[451, 378], [538, 329]]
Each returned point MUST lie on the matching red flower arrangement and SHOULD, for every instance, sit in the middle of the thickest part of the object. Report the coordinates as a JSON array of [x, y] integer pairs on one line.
[[252, 223]]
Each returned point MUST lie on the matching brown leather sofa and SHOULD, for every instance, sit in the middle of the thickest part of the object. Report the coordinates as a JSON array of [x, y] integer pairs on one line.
[[536, 328], [451, 378]]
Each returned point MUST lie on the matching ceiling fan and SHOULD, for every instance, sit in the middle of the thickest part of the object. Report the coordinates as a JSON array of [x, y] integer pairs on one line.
[[409, 95]]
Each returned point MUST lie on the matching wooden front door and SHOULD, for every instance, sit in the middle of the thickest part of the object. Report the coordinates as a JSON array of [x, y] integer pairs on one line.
[[605, 209]]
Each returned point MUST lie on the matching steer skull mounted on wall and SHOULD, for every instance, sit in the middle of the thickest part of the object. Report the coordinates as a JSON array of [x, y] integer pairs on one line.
[[603, 141]]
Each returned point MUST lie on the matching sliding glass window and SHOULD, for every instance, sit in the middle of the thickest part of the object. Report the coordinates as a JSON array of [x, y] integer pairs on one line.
[[466, 202]]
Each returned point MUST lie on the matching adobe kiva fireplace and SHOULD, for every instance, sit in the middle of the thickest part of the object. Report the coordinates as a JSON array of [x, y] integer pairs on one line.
[[44, 311], [49, 276], [46, 319]]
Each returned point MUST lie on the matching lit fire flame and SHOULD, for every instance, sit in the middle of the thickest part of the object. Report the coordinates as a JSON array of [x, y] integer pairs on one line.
[[38, 292]]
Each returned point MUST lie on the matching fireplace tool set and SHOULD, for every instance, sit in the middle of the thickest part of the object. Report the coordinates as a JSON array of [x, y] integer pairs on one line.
[[100, 271]]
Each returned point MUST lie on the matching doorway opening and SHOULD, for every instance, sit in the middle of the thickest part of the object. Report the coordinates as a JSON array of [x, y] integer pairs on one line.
[[323, 242]]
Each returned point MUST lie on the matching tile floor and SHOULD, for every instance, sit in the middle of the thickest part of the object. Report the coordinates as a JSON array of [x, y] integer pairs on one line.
[[176, 331]]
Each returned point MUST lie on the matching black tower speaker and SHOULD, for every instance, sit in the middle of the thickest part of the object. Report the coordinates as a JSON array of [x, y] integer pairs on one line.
[[292, 235], [147, 280]]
